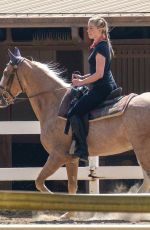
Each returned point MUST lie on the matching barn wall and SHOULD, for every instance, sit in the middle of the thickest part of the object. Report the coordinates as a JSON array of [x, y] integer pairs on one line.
[[130, 66]]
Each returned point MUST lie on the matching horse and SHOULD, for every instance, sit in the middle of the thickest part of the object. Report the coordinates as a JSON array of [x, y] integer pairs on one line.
[[45, 89]]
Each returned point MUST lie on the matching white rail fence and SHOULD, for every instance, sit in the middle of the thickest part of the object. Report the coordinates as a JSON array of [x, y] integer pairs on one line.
[[103, 172]]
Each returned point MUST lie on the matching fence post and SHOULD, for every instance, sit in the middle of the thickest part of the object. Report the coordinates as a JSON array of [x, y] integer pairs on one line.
[[94, 183]]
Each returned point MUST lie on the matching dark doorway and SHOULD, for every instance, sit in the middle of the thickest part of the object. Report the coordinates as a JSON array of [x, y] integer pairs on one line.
[[69, 62]]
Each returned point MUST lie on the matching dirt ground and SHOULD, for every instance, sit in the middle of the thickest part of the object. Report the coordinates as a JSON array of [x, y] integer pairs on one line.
[[47, 217]]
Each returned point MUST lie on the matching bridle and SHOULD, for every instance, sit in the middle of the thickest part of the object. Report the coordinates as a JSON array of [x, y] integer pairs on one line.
[[6, 94]]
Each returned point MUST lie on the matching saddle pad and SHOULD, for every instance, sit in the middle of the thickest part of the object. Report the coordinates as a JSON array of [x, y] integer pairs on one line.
[[111, 110]]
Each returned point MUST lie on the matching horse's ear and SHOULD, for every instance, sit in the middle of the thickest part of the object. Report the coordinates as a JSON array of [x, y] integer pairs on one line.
[[13, 58], [17, 52]]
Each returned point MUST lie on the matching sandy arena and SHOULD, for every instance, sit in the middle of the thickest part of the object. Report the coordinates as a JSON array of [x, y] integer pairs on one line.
[[47, 217]]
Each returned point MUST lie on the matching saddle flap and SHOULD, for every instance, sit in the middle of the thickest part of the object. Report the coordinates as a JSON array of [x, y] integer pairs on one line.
[[71, 96], [65, 104]]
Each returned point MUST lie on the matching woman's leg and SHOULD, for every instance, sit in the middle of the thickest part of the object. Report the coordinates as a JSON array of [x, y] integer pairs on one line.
[[79, 135], [87, 102], [90, 101]]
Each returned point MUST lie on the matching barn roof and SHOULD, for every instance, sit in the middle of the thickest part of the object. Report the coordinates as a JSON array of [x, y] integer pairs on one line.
[[77, 11], [75, 7]]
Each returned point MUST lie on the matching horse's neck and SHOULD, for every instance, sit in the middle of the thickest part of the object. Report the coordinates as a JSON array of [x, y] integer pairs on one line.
[[46, 105], [45, 94]]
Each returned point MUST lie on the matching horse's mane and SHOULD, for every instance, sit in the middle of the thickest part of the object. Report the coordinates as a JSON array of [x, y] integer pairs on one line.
[[53, 72]]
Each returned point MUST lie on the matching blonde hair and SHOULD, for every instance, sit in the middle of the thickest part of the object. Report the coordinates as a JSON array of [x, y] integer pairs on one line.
[[101, 23]]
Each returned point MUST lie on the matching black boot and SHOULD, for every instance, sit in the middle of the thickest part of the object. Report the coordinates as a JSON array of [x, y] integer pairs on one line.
[[79, 134], [85, 122]]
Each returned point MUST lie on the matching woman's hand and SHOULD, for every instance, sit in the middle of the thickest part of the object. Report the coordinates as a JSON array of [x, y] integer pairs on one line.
[[76, 76], [77, 82]]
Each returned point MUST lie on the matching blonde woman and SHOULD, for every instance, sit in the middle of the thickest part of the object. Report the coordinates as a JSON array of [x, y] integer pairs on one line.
[[100, 78]]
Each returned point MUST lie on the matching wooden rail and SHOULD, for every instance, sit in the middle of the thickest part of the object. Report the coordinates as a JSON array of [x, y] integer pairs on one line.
[[102, 172], [133, 203]]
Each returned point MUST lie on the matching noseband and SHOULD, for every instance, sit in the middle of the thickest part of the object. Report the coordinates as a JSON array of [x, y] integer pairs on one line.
[[6, 92]]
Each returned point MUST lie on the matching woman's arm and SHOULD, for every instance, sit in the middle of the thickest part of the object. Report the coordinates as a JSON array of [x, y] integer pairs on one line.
[[100, 65], [85, 76]]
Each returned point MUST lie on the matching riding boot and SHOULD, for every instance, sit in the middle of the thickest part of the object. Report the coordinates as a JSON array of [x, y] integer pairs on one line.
[[79, 134], [85, 122]]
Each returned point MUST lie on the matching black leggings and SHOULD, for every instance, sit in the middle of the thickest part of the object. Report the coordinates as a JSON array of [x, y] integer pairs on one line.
[[91, 100]]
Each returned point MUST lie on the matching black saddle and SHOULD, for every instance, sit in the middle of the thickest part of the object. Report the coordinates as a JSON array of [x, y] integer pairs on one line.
[[112, 98], [115, 93]]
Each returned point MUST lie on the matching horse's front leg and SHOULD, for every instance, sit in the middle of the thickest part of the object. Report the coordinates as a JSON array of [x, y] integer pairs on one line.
[[72, 172], [53, 163]]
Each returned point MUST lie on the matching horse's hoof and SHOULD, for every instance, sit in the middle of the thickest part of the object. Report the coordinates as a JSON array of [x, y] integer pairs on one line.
[[68, 215]]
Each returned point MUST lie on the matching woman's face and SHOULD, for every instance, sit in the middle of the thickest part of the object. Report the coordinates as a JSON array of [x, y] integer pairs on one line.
[[93, 31]]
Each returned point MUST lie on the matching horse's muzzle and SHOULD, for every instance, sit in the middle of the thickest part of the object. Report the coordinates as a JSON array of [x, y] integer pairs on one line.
[[3, 103]]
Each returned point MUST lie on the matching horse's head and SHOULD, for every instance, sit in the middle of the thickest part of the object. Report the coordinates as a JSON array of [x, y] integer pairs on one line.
[[10, 84]]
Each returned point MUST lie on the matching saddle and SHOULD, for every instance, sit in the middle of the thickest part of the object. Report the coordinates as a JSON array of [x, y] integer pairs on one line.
[[114, 105]]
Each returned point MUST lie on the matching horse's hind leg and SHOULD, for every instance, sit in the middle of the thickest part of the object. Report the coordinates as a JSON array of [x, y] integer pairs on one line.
[[138, 130], [142, 152], [141, 147], [145, 187], [52, 164], [143, 156]]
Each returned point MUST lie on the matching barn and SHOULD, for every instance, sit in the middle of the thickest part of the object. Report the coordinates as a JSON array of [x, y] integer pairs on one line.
[[55, 31]]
